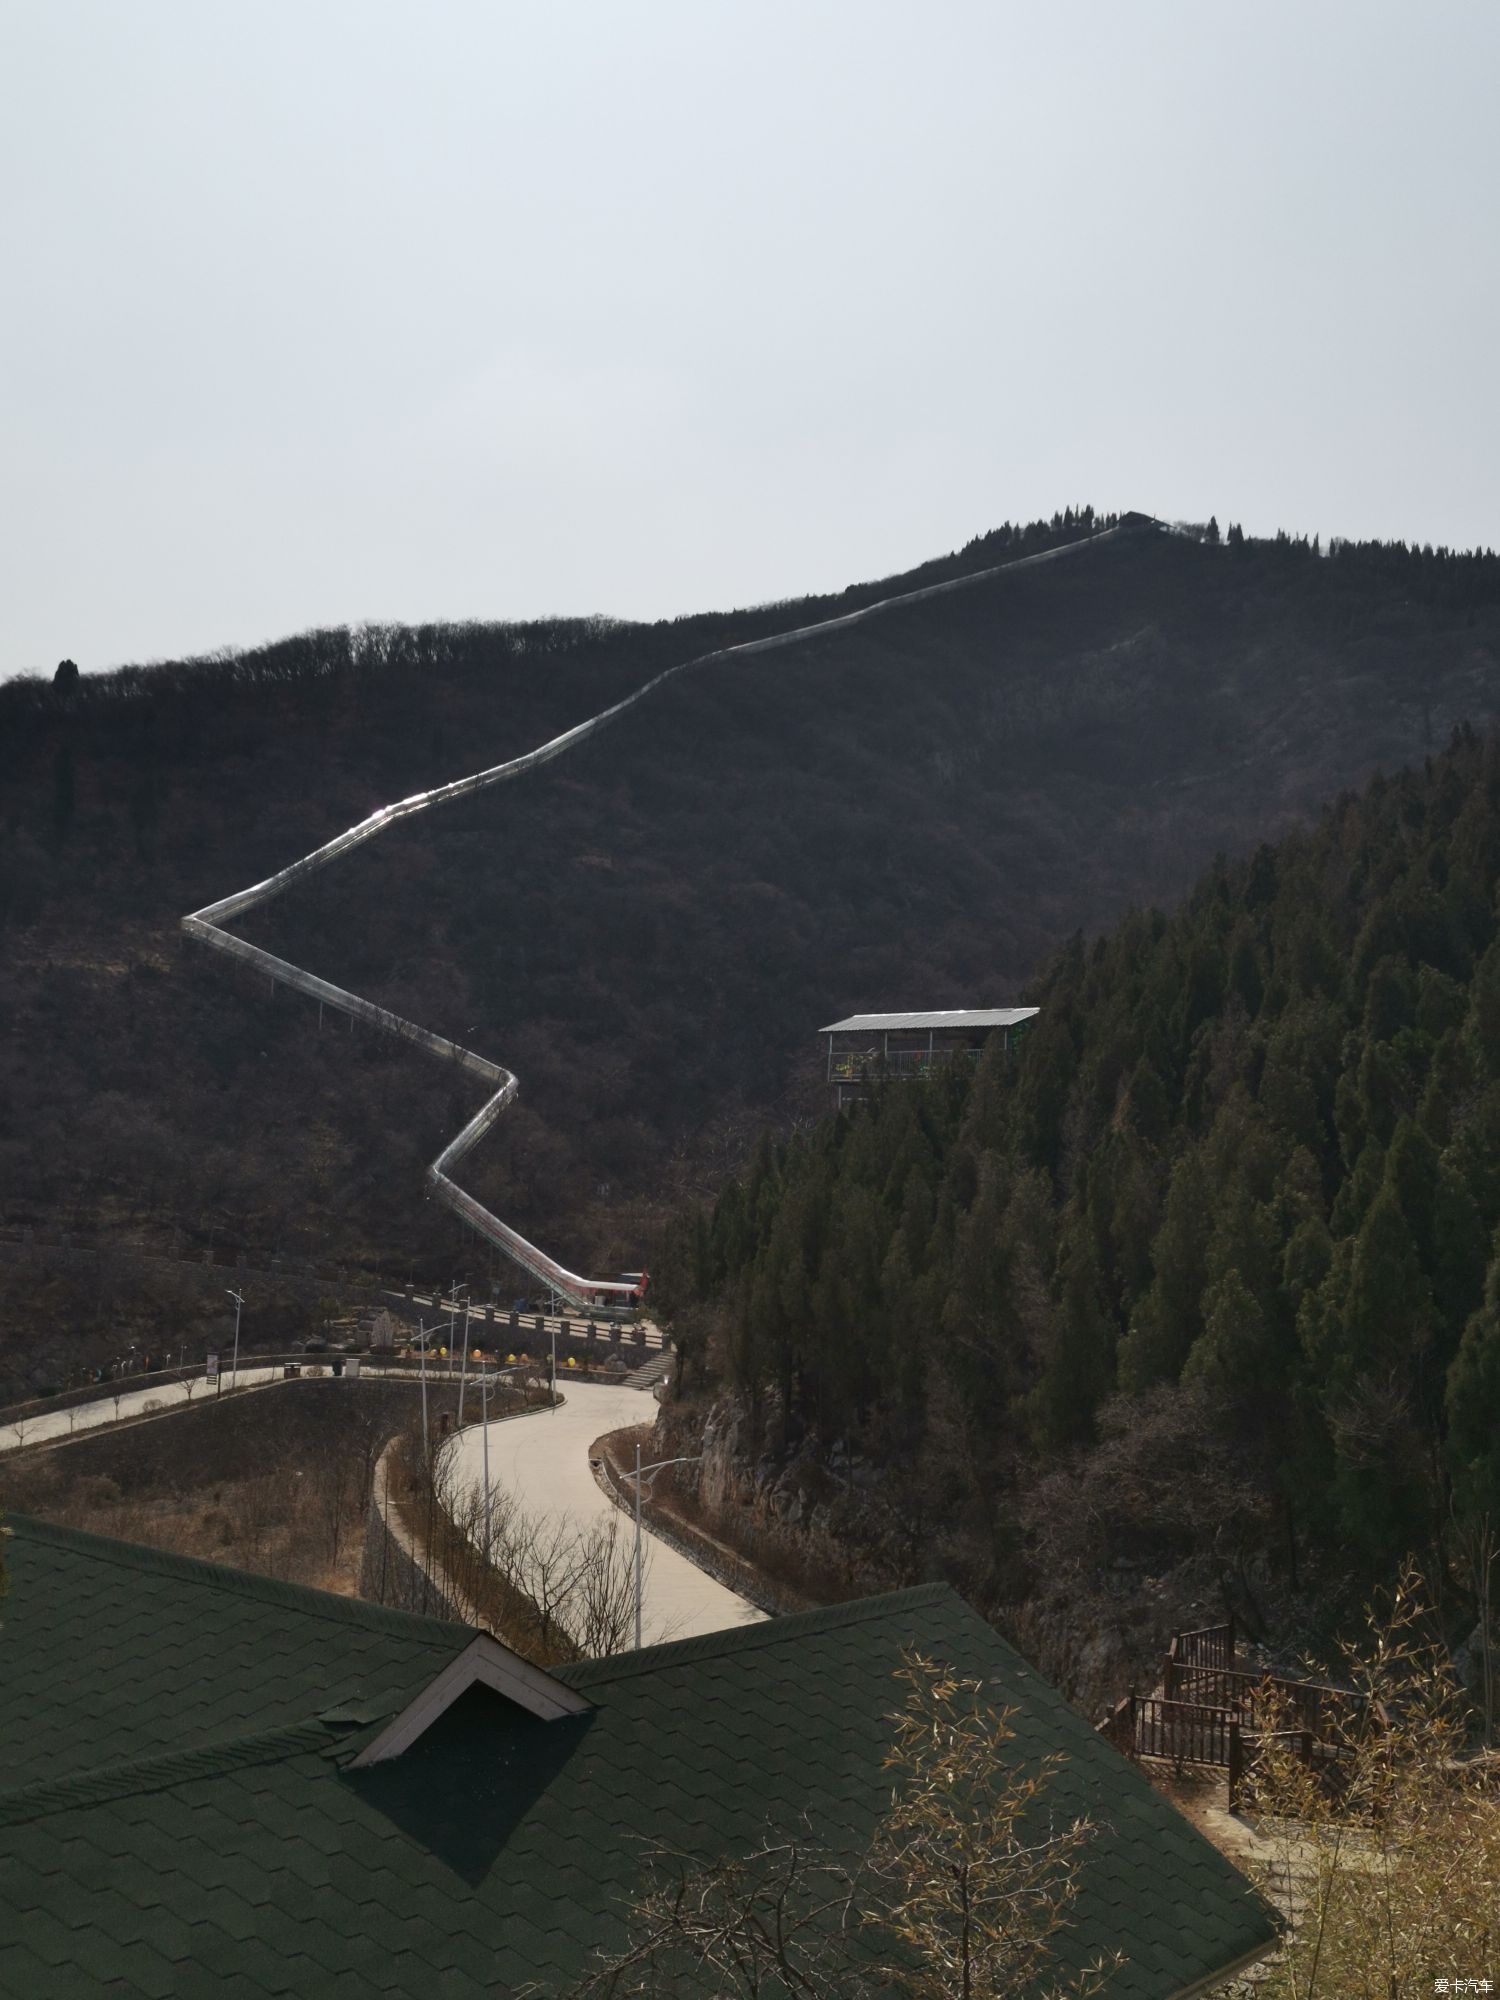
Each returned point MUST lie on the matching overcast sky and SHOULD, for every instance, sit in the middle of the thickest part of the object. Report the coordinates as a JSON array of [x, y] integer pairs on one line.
[[317, 313]]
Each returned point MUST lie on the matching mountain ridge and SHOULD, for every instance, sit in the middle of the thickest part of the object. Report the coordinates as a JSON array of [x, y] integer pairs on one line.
[[910, 817], [207, 924]]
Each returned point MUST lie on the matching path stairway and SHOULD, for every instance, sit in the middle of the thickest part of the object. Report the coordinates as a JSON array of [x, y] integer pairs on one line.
[[1211, 1708], [657, 1369]]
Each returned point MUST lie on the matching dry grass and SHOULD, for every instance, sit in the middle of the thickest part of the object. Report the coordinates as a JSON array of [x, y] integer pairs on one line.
[[277, 1482], [299, 1529]]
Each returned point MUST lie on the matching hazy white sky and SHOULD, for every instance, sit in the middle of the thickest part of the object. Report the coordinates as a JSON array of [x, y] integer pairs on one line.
[[317, 312]]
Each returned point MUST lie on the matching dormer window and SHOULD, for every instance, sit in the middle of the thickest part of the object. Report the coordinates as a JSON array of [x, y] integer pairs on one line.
[[484, 1662]]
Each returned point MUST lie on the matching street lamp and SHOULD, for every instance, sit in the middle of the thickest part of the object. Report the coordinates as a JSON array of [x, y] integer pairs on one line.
[[453, 1291], [484, 1425], [235, 1367], [660, 1465], [423, 1337], [554, 1371]]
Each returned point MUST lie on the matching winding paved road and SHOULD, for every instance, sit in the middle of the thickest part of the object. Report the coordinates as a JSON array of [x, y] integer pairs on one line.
[[544, 1461]]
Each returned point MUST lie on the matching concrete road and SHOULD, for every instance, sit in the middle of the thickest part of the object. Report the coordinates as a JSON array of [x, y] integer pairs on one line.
[[87, 1416], [544, 1461]]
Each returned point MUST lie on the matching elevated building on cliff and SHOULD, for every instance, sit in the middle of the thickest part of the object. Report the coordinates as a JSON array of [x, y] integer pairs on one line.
[[867, 1047]]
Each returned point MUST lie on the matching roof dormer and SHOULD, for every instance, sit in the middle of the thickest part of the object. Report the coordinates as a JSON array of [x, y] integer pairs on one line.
[[484, 1662]]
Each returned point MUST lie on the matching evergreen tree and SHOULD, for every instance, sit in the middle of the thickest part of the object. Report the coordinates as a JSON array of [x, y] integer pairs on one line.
[[1251, 1148], [1169, 1318], [1234, 1355], [1474, 1407], [1078, 1365]]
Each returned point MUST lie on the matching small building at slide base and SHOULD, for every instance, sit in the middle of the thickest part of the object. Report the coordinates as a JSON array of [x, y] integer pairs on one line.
[[867, 1047], [218, 1785]]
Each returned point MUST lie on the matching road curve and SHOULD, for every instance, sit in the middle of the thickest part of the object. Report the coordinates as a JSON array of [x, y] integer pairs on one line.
[[544, 1461], [207, 924]]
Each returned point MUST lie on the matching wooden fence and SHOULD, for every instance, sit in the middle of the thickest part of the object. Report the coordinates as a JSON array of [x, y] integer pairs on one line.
[[1212, 1712], [1269, 1700], [1210, 1646], [1187, 1732]]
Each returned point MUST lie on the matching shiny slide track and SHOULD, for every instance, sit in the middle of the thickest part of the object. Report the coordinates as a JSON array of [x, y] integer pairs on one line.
[[207, 924]]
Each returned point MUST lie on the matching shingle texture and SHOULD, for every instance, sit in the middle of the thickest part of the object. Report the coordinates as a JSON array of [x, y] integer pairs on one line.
[[178, 1815]]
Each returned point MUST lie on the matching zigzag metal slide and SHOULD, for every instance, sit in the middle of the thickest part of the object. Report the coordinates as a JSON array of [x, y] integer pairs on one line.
[[207, 924]]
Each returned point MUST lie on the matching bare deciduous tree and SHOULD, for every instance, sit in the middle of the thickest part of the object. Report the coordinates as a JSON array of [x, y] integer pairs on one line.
[[335, 1493], [601, 1614], [1476, 1550], [961, 1895], [973, 1876], [1392, 1854], [777, 1920], [577, 1583]]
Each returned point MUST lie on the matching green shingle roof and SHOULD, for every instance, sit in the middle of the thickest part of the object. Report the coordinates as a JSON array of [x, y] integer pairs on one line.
[[178, 1816]]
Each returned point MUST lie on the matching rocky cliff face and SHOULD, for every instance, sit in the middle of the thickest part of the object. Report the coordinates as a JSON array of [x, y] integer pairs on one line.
[[821, 1532]]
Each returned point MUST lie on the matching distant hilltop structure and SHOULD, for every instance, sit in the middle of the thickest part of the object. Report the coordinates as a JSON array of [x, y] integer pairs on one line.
[[867, 1047]]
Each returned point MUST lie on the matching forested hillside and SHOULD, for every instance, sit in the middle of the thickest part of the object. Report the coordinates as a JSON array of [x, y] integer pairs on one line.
[[1204, 1281], [650, 931]]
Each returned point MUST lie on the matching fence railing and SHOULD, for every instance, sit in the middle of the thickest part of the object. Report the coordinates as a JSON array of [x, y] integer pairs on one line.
[[1209, 1646], [849, 1067], [1186, 1732], [1212, 1712], [1268, 1699], [1329, 1763]]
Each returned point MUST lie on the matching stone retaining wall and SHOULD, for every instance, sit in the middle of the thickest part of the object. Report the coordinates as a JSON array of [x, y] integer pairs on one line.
[[723, 1565]]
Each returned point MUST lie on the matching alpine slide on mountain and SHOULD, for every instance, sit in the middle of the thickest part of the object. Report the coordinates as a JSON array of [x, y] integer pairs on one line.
[[208, 924]]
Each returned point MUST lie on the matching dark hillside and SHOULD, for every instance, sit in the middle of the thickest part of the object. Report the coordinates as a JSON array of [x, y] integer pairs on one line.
[[1200, 1290], [649, 931]]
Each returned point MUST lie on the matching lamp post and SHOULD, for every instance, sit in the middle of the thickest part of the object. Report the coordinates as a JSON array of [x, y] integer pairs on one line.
[[453, 1291], [640, 1471], [234, 1371], [554, 1371], [484, 1424], [422, 1338]]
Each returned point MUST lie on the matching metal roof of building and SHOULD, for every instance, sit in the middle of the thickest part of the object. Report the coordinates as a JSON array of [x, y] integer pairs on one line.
[[959, 1017]]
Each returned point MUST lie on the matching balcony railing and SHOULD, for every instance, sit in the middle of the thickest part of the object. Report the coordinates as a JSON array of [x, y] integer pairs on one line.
[[852, 1066]]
